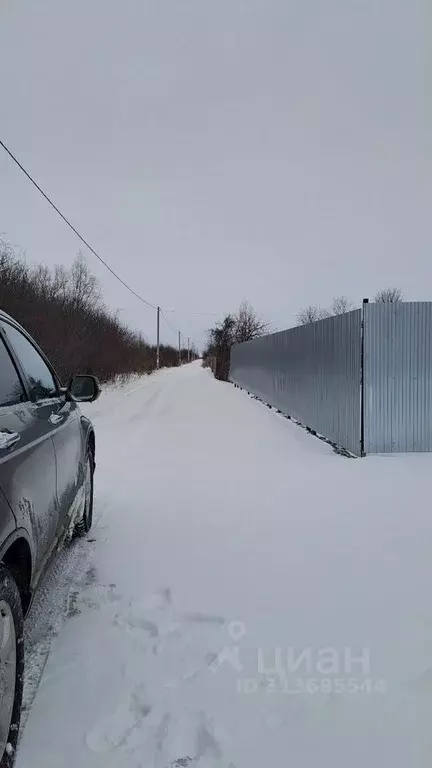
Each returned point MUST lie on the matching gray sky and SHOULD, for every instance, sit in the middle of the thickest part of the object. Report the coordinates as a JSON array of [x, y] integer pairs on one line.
[[214, 150]]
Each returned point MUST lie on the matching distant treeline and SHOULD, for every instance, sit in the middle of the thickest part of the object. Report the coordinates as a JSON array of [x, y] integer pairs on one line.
[[64, 311]]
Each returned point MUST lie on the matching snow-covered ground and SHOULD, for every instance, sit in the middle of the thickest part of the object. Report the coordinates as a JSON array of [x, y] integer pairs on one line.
[[251, 598]]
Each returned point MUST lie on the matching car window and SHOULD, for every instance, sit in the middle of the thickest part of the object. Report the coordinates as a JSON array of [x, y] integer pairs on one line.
[[41, 380], [11, 390]]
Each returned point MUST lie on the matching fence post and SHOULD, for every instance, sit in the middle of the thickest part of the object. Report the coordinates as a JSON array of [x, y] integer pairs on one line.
[[362, 378]]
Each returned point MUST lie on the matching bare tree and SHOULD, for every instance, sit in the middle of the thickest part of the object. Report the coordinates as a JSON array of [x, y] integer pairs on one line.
[[341, 305], [311, 314], [60, 283], [247, 324], [220, 339], [84, 287], [222, 335], [389, 296]]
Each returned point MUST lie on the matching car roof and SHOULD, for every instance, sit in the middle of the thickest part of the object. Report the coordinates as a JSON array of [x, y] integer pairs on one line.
[[5, 316], [8, 317]]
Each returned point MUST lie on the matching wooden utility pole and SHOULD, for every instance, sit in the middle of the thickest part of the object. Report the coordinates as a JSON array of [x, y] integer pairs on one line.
[[158, 338]]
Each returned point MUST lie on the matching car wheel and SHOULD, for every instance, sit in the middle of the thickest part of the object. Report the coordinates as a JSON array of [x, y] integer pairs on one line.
[[11, 666], [83, 525]]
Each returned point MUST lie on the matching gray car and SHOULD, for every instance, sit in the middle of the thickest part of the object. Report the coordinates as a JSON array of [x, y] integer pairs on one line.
[[47, 461]]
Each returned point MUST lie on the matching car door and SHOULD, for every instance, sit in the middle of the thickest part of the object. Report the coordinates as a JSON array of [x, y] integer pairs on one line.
[[61, 414], [27, 459]]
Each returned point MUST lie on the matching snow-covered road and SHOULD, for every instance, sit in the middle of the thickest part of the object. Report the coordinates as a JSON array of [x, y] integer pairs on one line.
[[251, 598]]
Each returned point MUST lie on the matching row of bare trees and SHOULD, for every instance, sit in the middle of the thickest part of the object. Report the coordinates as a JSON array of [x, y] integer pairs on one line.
[[342, 304], [63, 310]]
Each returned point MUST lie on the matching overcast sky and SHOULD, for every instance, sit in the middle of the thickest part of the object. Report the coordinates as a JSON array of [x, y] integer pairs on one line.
[[214, 150]]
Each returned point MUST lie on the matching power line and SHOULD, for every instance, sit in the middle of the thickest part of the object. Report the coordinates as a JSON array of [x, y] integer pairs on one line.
[[177, 330], [202, 314], [57, 210]]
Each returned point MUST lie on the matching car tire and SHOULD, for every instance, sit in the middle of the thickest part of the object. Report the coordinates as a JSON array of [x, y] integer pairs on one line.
[[83, 525], [11, 666]]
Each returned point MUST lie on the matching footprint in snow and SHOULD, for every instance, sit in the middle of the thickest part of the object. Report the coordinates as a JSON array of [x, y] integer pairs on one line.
[[204, 618], [207, 749], [112, 731], [206, 744]]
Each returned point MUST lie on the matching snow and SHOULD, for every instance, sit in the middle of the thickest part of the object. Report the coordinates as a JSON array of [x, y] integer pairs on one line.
[[230, 541]]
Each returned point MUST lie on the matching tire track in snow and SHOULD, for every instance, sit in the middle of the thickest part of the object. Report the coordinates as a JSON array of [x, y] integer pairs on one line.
[[66, 574]]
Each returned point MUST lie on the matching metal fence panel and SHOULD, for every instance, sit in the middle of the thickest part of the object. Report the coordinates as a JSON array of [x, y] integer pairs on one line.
[[311, 373], [398, 376]]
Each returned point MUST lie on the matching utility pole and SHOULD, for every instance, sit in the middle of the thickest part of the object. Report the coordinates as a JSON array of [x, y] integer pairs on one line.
[[180, 362], [158, 338], [188, 349]]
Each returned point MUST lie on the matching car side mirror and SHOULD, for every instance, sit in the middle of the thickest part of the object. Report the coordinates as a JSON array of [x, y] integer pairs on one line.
[[84, 388]]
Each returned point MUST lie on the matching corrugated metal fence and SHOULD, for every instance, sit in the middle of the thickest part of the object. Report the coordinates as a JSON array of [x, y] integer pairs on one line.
[[398, 377], [311, 373], [314, 374]]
